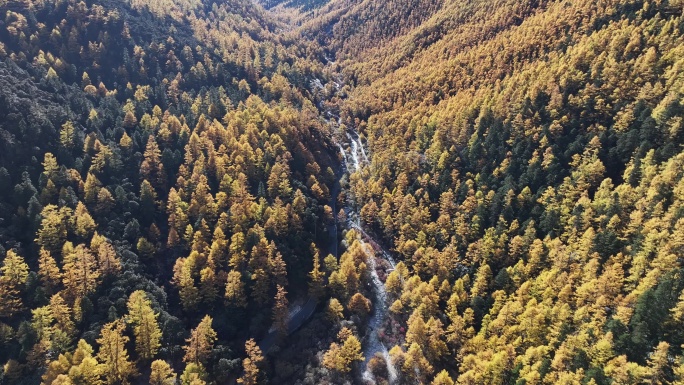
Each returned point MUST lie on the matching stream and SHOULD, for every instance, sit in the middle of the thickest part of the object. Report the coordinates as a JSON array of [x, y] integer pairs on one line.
[[355, 158]]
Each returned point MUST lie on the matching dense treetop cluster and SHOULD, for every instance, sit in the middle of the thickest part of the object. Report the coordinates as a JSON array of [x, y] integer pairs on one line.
[[163, 174], [526, 167], [171, 191]]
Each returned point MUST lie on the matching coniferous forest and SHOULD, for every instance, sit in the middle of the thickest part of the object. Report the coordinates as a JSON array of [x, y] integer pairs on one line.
[[201, 192]]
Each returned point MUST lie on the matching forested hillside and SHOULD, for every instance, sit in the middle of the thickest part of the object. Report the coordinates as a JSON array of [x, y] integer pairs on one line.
[[345, 191], [161, 166], [526, 169]]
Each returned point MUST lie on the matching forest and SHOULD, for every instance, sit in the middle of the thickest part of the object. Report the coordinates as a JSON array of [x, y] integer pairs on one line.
[[195, 192]]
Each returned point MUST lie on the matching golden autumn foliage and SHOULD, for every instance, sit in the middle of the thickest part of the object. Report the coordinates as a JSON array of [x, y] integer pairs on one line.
[[163, 161], [200, 343], [145, 325], [342, 354]]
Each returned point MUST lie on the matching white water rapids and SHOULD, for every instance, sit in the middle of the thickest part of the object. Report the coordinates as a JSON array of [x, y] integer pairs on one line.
[[354, 158], [372, 343]]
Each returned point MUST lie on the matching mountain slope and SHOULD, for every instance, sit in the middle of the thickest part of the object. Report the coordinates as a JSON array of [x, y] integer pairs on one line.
[[164, 148], [404, 192], [524, 158]]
